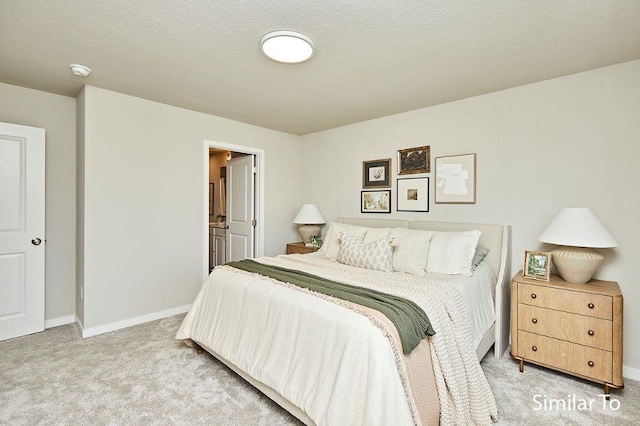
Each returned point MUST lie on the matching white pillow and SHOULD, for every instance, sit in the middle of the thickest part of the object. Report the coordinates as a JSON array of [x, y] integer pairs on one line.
[[331, 245], [452, 252], [375, 234], [375, 255], [411, 250]]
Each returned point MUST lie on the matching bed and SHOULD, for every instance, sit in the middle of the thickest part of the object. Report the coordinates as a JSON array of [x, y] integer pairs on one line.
[[332, 361]]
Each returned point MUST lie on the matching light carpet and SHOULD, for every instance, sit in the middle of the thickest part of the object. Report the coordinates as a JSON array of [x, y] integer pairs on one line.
[[143, 376]]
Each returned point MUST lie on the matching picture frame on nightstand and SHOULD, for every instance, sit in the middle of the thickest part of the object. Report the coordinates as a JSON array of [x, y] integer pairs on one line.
[[537, 265]]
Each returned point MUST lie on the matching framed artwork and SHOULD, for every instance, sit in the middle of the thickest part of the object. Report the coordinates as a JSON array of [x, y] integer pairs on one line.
[[211, 212], [375, 202], [376, 173], [537, 265], [414, 160], [412, 194], [456, 179]]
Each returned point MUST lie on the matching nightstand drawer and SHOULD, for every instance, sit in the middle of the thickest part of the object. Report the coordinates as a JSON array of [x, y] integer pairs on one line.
[[593, 305], [588, 331], [300, 248], [570, 357]]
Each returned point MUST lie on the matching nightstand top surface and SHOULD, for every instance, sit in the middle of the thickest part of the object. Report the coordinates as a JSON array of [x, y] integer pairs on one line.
[[610, 288]]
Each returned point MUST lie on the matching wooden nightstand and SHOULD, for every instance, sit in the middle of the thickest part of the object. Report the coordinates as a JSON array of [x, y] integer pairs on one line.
[[300, 248], [573, 328]]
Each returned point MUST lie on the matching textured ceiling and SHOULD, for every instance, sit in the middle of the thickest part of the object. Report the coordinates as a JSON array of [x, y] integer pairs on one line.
[[373, 58]]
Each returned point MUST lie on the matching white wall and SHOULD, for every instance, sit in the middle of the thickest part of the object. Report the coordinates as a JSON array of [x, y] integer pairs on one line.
[[567, 142], [144, 217], [56, 114]]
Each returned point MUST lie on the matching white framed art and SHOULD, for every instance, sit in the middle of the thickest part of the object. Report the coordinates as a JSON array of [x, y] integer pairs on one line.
[[413, 194], [456, 179]]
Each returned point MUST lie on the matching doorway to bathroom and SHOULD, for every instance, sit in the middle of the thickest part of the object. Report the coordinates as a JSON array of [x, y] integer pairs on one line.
[[234, 203]]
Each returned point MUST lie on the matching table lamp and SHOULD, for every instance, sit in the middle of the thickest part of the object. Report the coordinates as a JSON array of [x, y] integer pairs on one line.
[[577, 231], [309, 217]]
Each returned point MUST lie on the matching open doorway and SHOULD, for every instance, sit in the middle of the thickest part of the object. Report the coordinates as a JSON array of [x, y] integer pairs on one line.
[[234, 229]]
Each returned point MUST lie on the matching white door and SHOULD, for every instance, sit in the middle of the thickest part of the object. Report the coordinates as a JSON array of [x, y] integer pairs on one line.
[[21, 230], [240, 208]]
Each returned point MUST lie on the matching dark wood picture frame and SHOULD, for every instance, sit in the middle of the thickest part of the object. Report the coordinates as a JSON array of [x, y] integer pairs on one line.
[[414, 160], [376, 173]]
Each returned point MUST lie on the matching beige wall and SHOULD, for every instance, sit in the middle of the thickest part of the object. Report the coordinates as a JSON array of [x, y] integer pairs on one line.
[[80, 127], [56, 114], [144, 218], [567, 142]]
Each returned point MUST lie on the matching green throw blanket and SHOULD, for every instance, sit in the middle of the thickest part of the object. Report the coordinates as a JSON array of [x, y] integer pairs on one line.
[[410, 320]]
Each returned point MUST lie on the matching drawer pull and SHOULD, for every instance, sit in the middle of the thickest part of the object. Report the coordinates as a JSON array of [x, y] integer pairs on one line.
[[591, 332], [535, 349], [534, 320], [533, 295], [591, 305], [591, 364]]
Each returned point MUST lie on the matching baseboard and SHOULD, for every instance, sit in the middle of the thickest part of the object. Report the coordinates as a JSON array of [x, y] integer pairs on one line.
[[118, 325], [631, 373], [56, 322]]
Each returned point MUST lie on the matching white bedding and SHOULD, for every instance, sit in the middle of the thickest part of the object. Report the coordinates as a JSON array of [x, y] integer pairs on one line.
[[350, 373], [477, 293], [237, 324]]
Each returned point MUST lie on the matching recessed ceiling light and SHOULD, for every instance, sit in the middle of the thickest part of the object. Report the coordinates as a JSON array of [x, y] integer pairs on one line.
[[80, 70], [287, 47]]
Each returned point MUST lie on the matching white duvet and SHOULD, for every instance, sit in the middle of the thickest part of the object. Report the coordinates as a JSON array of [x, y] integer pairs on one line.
[[329, 361]]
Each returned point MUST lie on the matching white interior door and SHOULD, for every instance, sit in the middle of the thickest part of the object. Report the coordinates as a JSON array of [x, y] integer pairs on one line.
[[21, 230], [240, 208]]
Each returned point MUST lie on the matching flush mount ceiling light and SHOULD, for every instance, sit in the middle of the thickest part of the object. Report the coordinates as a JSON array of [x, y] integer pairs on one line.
[[80, 70], [287, 47]]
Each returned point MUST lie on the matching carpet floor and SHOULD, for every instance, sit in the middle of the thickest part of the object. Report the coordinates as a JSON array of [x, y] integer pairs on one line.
[[143, 376]]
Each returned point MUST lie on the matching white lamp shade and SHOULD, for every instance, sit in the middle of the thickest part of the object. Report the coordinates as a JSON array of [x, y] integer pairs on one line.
[[309, 215], [577, 227]]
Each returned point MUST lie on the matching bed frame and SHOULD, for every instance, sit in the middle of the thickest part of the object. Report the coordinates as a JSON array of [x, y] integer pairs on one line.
[[497, 238]]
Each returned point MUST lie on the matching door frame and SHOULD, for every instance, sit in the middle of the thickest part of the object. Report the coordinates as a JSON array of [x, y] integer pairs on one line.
[[259, 194]]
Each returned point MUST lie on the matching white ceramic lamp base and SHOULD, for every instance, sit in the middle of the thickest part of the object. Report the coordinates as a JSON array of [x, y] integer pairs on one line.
[[576, 264], [306, 231]]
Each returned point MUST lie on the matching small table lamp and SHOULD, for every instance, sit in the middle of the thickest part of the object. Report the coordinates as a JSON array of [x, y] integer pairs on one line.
[[308, 218], [577, 231]]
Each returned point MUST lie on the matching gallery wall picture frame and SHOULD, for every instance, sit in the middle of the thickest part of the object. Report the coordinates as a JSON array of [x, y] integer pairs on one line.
[[456, 179], [375, 201], [537, 265], [412, 194], [376, 173], [414, 160]]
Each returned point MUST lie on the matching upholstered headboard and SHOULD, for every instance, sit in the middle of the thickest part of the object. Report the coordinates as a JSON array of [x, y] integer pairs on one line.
[[497, 238], [492, 236]]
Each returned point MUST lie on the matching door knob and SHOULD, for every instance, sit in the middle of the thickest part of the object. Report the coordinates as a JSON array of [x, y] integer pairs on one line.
[[36, 241]]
